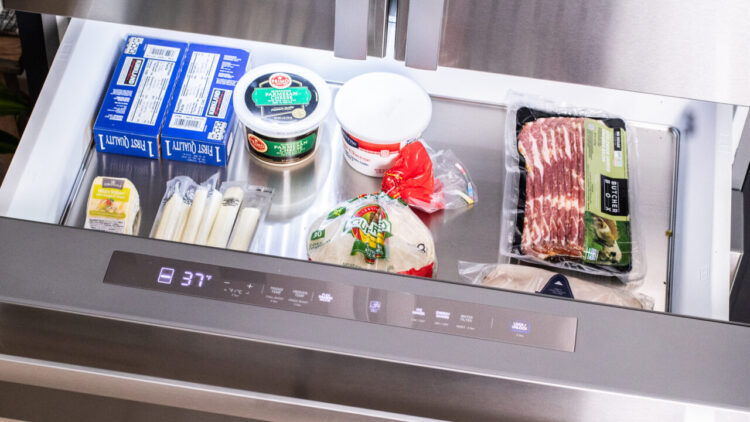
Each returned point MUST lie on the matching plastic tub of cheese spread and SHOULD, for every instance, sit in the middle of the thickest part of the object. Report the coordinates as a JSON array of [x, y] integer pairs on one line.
[[379, 113], [281, 106]]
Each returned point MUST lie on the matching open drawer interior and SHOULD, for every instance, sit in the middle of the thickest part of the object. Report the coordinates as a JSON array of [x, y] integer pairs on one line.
[[57, 158], [304, 192]]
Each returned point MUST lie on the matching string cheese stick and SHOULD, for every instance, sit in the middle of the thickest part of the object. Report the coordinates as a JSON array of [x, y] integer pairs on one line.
[[214, 202], [167, 220], [181, 213], [222, 228], [244, 229], [194, 216]]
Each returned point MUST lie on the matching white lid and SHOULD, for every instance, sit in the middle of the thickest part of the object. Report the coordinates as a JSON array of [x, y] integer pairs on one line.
[[307, 118], [383, 108]]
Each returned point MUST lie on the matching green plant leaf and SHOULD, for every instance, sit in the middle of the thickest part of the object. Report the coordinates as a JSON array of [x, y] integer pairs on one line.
[[12, 108], [11, 104]]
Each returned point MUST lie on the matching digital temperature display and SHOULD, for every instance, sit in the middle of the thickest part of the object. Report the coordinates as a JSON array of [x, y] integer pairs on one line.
[[189, 278], [342, 300]]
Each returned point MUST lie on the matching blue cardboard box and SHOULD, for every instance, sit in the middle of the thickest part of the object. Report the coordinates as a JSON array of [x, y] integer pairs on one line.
[[137, 97], [199, 123]]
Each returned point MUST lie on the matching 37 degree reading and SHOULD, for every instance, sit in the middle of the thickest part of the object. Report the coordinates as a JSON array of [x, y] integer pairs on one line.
[[189, 278]]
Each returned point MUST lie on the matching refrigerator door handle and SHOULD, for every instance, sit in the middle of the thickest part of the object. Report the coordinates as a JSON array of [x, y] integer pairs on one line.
[[180, 394], [350, 29], [425, 23]]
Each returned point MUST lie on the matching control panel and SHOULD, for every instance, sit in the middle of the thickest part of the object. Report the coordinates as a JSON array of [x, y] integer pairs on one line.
[[343, 300]]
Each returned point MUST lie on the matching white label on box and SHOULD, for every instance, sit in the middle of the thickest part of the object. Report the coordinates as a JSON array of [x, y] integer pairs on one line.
[[130, 71], [183, 121], [161, 52], [217, 133], [219, 103], [132, 46], [151, 92], [197, 83]]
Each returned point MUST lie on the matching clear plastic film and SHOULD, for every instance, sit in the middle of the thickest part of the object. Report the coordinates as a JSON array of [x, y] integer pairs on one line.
[[256, 200], [181, 207], [204, 215], [429, 180], [530, 279], [376, 232], [571, 193]]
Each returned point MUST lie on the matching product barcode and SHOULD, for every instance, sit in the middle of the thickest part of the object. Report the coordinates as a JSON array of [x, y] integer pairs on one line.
[[161, 52], [181, 121]]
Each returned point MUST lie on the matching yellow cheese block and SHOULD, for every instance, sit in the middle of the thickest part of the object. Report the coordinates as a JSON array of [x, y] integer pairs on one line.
[[113, 206]]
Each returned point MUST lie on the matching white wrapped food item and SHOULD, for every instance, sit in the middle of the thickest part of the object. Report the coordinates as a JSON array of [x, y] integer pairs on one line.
[[173, 212], [536, 280], [203, 215], [374, 232], [243, 233], [213, 204], [256, 200], [185, 209], [113, 206], [195, 215], [222, 227]]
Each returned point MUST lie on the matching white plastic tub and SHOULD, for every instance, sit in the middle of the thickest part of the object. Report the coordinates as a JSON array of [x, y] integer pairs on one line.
[[379, 113], [281, 107]]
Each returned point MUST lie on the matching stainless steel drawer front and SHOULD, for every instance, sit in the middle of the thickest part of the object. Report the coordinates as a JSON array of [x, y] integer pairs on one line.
[[339, 300]]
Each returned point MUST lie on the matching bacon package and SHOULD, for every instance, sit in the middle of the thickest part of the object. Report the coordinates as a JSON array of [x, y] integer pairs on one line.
[[569, 191]]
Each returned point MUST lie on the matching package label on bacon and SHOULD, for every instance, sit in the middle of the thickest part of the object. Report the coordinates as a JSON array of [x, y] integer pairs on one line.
[[607, 221], [568, 192]]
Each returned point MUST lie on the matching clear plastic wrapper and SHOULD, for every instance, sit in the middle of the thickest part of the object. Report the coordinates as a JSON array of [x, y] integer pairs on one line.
[[222, 226], [571, 193], [376, 232], [203, 215], [452, 180], [256, 200], [536, 280], [429, 180], [176, 211], [213, 203]]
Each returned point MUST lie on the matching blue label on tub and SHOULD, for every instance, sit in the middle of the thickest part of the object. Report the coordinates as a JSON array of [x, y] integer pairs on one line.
[[349, 140]]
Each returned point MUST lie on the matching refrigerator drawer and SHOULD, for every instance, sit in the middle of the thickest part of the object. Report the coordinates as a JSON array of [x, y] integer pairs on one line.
[[684, 155]]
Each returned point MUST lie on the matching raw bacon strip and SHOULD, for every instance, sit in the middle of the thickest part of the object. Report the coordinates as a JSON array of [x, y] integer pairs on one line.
[[576, 178], [539, 211], [562, 188], [547, 188], [527, 147], [524, 148], [574, 175], [537, 222], [554, 154], [557, 228], [551, 186], [581, 184], [565, 182]]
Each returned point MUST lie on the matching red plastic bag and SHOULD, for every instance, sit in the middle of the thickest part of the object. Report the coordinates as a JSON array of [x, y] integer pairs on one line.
[[429, 180], [411, 179]]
